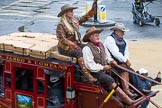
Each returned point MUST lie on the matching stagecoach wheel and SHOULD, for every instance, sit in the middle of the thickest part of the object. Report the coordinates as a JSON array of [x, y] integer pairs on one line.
[[157, 21], [141, 23]]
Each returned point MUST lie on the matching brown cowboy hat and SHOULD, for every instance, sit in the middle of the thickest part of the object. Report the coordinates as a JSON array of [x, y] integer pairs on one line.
[[66, 8], [119, 26], [91, 31]]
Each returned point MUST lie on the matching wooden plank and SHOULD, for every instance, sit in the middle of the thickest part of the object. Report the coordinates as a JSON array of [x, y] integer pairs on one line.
[[8, 45], [22, 48], [2, 40], [35, 35], [57, 55], [42, 50]]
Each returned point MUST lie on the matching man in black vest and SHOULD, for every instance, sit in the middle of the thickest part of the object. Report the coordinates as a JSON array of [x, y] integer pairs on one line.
[[97, 60], [118, 47]]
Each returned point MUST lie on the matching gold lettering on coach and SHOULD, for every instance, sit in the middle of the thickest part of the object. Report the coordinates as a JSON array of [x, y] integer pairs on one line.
[[29, 61], [62, 67], [40, 63], [15, 59]]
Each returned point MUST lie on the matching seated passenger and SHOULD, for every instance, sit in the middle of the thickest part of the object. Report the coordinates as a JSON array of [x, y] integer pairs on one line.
[[97, 60], [144, 85], [117, 45], [55, 91], [69, 36]]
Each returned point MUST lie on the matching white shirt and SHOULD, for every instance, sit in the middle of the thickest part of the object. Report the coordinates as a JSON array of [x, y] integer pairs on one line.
[[113, 48], [89, 60]]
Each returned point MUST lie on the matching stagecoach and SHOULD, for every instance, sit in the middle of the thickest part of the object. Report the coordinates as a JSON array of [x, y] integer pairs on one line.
[[34, 75]]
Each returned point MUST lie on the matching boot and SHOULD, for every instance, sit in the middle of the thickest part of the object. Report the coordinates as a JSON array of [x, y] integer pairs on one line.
[[85, 71], [125, 85], [119, 92]]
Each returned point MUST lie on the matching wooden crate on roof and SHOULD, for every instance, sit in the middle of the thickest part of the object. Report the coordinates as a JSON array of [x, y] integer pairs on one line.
[[57, 55], [45, 37], [38, 45], [23, 34], [38, 36], [42, 50], [22, 48], [28, 37], [7, 45], [20, 38], [32, 41], [2, 39]]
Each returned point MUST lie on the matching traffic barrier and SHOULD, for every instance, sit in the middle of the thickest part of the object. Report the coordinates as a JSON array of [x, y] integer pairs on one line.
[[102, 13]]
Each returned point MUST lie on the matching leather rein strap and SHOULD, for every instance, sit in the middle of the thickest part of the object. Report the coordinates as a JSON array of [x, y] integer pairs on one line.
[[114, 71], [125, 69]]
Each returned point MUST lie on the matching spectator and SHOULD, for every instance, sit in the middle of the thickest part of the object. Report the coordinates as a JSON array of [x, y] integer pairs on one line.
[[145, 84]]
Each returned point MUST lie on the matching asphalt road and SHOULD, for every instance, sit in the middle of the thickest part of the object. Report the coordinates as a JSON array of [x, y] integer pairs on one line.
[[41, 16], [6, 2]]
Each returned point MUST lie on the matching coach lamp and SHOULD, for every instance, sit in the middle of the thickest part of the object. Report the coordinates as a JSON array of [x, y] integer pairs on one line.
[[70, 93]]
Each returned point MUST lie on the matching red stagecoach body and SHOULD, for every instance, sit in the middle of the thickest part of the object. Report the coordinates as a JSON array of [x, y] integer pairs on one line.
[[29, 82]]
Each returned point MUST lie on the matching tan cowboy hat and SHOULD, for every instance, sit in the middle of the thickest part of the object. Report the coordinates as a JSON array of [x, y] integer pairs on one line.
[[91, 31], [119, 26], [66, 8]]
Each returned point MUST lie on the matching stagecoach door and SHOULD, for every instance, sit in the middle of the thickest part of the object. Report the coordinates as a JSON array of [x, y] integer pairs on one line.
[[17, 85], [25, 85]]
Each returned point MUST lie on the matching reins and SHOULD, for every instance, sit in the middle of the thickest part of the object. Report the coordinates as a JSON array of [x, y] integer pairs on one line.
[[125, 69], [114, 71]]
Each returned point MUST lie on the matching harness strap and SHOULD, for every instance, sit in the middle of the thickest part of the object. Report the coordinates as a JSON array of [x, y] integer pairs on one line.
[[155, 104]]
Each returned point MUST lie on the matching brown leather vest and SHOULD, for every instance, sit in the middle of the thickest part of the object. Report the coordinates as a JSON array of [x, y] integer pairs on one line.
[[99, 54]]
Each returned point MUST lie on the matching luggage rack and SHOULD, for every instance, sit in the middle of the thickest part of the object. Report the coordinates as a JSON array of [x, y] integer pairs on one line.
[[36, 45]]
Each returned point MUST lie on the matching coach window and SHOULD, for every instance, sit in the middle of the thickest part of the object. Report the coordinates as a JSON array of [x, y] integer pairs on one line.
[[8, 80], [24, 79], [40, 86]]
